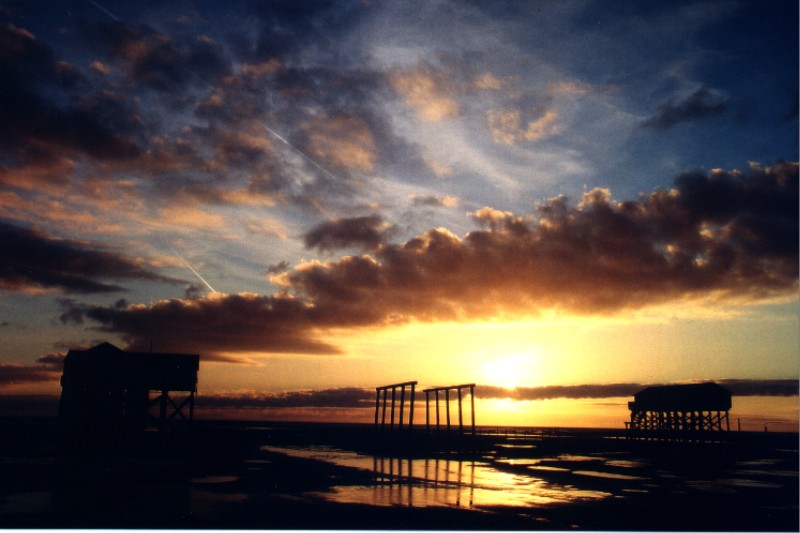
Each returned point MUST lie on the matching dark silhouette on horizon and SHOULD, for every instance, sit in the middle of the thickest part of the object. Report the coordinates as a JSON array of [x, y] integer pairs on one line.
[[106, 391], [680, 413]]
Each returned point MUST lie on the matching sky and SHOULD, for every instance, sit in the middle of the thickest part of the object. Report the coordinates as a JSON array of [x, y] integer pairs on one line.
[[560, 201]]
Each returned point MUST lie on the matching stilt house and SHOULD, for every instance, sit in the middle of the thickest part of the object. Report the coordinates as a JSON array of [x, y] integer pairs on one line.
[[684, 413], [105, 389]]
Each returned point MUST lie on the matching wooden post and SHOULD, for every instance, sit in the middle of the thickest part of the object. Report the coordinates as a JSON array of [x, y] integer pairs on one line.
[[437, 410], [447, 404], [460, 414], [162, 408], [472, 402], [460, 391], [411, 412], [402, 405], [377, 403], [391, 419], [383, 414], [427, 412]]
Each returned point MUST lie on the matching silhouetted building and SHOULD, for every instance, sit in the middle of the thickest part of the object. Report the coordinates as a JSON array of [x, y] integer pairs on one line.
[[107, 390], [687, 413]]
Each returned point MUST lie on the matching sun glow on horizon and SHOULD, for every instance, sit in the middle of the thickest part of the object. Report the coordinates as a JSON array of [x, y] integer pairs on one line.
[[512, 370]]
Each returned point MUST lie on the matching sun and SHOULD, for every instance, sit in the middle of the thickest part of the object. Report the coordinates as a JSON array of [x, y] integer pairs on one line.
[[511, 370]]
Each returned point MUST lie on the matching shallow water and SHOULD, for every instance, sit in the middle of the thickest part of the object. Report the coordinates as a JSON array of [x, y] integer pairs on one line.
[[528, 482], [440, 482]]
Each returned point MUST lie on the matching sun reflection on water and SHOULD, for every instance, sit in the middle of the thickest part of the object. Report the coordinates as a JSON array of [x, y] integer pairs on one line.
[[429, 482]]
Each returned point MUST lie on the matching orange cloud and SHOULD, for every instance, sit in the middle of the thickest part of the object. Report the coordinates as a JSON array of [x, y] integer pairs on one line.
[[190, 217], [343, 141], [427, 90], [258, 70], [489, 81], [438, 169], [506, 126], [100, 67]]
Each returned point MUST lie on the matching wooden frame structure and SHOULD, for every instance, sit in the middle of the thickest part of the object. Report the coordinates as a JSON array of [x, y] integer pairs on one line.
[[680, 413], [381, 408], [108, 390], [458, 388]]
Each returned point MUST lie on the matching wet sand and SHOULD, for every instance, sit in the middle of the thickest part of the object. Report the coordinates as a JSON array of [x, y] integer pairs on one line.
[[287, 476]]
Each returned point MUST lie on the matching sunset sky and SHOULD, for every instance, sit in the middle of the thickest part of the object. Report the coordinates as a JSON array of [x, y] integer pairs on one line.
[[561, 201]]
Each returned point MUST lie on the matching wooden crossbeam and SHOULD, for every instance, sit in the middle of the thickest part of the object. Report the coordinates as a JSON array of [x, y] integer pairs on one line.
[[382, 393], [460, 397]]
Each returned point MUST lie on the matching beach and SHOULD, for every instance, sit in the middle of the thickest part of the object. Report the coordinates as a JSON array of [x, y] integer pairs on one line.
[[228, 475]]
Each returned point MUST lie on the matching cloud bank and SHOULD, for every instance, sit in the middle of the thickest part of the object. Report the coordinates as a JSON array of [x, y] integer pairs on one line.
[[353, 397], [727, 236], [48, 368]]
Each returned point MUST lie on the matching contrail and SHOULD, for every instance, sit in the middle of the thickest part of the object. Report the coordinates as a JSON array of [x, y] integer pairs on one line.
[[195, 272], [104, 10], [300, 152]]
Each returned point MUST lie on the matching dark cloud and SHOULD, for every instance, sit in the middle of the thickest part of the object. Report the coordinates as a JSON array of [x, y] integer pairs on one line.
[[53, 360], [12, 374], [44, 109], [612, 390], [738, 387], [216, 324], [130, 109], [761, 387], [367, 232], [157, 60], [287, 27], [598, 257], [282, 266], [348, 397], [48, 368], [352, 397], [33, 260], [702, 104]]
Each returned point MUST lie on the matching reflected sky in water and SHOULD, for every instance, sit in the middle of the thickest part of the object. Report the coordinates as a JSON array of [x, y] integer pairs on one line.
[[428, 482], [496, 480]]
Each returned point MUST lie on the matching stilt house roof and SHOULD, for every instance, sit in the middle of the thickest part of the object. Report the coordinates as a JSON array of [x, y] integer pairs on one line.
[[692, 397], [107, 365]]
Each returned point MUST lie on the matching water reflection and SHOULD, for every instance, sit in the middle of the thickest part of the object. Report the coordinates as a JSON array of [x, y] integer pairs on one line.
[[455, 483], [427, 482], [421, 482]]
